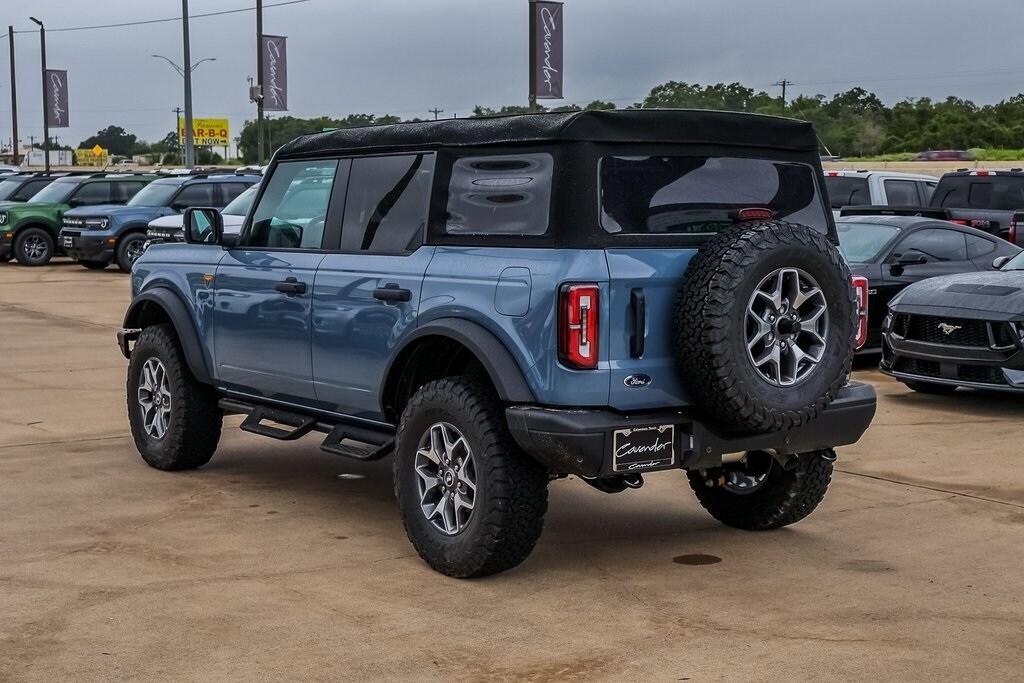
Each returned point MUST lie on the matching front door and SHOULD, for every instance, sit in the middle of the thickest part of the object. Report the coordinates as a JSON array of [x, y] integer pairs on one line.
[[367, 294], [264, 287]]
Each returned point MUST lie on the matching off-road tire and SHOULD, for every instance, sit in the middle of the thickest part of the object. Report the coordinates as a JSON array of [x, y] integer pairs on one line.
[[19, 247], [121, 255], [930, 387], [94, 265], [785, 497], [195, 422], [710, 318], [511, 496]]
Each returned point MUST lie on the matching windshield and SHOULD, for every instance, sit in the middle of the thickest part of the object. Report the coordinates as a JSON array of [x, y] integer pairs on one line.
[[9, 187], [239, 206], [154, 194], [700, 195], [55, 192], [1016, 263], [862, 242]]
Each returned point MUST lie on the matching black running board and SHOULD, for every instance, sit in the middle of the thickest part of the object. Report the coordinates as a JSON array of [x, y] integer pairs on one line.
[[365, 442]]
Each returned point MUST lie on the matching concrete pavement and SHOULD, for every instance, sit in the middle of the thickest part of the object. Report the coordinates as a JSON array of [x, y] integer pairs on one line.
[[268, 564]]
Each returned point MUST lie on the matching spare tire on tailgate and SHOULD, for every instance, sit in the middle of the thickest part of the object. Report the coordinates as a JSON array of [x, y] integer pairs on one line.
[[764, 323]]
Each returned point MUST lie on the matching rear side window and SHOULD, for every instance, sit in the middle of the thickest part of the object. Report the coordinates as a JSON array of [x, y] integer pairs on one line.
[[844, 191], [232, 190], [126, 189], [508, 194], [996, 193], [699, 195], [901, 193], [386, 203]]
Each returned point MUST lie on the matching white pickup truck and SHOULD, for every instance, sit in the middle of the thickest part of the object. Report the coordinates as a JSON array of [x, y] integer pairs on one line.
[[878, 188]]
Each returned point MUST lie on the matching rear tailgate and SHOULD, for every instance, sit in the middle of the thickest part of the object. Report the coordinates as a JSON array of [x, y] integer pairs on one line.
[[641, 351]]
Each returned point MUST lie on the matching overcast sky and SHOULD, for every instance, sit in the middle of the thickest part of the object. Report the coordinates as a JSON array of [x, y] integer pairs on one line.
[[405, 57]]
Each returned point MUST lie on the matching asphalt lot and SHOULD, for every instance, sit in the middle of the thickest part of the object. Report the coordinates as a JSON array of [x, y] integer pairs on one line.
[[267, 564]]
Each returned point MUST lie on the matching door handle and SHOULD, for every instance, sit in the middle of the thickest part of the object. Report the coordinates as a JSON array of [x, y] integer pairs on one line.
[[290, 286], [391, 293]]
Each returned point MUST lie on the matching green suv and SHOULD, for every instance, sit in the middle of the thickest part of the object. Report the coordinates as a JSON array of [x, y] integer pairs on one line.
[[28, 231]]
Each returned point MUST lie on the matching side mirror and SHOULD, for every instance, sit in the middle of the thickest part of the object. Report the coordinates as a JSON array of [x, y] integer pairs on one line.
[[203, 225], [1000, 261]]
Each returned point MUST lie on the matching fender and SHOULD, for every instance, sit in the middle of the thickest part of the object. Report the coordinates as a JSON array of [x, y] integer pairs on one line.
[[502, 368], [183, 324]]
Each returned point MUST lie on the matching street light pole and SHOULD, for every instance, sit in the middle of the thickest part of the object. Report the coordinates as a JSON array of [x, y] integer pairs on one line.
[[14, 99], [46, 95], [189, 146], [259, 81]]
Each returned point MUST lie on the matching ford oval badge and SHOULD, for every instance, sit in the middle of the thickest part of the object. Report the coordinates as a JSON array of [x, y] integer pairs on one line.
[[638, 380]]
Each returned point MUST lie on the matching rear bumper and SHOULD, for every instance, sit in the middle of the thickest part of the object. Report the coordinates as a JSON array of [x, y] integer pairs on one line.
[[580, 442]]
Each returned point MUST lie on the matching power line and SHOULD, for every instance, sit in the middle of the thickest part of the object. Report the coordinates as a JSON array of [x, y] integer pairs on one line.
[[163, 21]]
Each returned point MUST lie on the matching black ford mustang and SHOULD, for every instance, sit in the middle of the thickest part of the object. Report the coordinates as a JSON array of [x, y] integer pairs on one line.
[[893, 252], [959, 331]]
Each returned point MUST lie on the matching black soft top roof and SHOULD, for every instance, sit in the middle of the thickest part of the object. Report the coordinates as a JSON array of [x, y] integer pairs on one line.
[[669, 126]]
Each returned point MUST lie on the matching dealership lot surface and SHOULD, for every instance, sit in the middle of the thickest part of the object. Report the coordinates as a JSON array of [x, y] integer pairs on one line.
[[267, 563]]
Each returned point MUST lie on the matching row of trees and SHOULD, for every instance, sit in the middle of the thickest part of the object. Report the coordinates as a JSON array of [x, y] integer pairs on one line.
[[851, 123]]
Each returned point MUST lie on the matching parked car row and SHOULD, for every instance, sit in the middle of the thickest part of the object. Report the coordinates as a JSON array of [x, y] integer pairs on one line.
[[98, 218]]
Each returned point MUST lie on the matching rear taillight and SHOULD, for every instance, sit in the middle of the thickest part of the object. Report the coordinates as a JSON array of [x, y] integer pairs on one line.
[[578, 322], [1014, 224], [755, 214], [860, 290]]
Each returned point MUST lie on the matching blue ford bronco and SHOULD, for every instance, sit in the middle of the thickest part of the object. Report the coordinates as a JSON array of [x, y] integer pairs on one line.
[[96, 236], [501, 302]]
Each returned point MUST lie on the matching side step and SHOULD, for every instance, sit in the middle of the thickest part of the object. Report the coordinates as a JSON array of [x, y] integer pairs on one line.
[[372, 443]]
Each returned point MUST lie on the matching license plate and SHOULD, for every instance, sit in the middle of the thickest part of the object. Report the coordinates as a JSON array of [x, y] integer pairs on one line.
[[69, 242], [642, 448]]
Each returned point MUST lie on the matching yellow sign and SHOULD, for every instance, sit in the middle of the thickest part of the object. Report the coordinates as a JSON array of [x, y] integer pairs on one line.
[[206, 132], [97, 156]]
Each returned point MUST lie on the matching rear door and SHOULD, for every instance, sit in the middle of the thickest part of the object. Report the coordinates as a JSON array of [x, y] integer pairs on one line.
[[680, 200], [367, 293], [264, 287]]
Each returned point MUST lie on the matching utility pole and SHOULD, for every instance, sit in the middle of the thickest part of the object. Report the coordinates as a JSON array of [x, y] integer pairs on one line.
[[46, 95], [14, 99], [783, 83], [259, 82], [190, 151], [177, 130], [435, 112]]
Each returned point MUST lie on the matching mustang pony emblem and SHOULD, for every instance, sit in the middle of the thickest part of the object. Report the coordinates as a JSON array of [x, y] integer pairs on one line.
[[948, 329]]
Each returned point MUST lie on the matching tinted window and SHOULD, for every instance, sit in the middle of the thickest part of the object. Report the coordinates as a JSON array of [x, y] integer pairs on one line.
[[927, 190], [8, 188], [500, 195], [126, 189], [386, 203], [155, 194], [844, 191], [997, 193], [57, 191], [90, 194], [901, 193], [232, 190], [862, 242], [29, 189], [293, 209], [937, 244], [241, 204], [979, 246], [700, 195], [199, 194]]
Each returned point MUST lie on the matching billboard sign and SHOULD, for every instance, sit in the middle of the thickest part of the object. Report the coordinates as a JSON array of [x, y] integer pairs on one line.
[[206, 132]]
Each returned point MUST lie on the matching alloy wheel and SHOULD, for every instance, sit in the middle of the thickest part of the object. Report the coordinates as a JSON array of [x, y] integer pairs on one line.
[[446, 478], [154, 398], [34, 247]]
